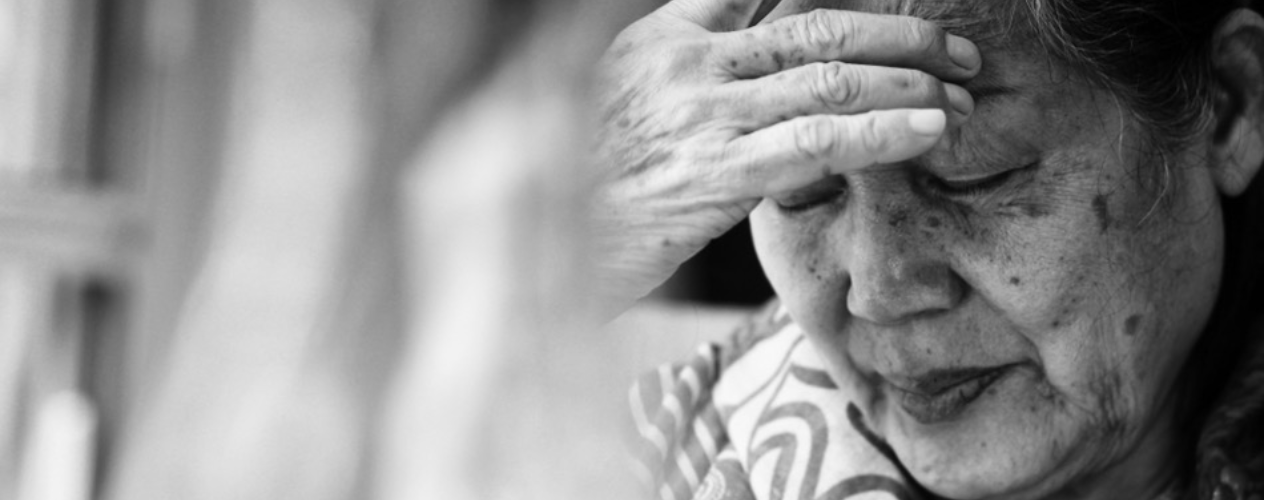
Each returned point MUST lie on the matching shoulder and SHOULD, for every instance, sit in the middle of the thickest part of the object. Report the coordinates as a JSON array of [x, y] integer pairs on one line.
[[1231, 446], [680, 436], [708, 426]]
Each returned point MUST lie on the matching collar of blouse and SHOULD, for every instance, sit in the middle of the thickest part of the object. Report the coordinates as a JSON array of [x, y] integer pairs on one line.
[[1230, 462]]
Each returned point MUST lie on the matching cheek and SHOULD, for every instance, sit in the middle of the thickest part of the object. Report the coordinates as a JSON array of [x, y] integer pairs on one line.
[[789, 255], [1113, 298]]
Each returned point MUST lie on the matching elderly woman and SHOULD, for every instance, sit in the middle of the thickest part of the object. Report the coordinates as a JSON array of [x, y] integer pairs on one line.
[[1016, 245]]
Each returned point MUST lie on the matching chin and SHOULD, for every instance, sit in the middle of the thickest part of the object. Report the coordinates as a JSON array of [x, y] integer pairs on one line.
[[1014, 442], [1028, 470]]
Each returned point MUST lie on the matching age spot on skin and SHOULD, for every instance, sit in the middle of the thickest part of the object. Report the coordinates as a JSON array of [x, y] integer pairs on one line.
[[815, 275], [898, 218], [1015, 280], [933, 222], [1103, 212], [928, 277], [1131, 325]]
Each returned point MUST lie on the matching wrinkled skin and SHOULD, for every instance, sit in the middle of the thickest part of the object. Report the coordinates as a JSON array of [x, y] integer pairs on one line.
[[699, 122], [1036, 232], [1055, 270], [1072, 269]]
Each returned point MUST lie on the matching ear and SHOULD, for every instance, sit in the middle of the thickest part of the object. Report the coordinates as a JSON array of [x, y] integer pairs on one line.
[[1238, 59]]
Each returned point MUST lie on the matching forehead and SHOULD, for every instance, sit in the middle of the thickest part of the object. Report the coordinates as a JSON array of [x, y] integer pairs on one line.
[[1020, 90]]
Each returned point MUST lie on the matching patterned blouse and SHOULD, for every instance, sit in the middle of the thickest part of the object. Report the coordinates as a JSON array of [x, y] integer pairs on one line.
[[758, 418]]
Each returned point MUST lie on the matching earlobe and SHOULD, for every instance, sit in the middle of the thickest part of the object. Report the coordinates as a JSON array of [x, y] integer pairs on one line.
[[1238, 143]]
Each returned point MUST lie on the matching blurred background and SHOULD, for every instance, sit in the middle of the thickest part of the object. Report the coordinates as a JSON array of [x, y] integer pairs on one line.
[[316, 249]]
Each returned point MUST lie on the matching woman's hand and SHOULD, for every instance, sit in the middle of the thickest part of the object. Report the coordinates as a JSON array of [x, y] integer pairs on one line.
[[701, 120]]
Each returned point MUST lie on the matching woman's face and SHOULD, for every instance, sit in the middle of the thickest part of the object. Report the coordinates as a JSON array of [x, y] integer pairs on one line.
[[1015, 306]]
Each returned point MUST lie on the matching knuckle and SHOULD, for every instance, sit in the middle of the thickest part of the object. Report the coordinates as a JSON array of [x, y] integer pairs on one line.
[[815, 138], [662, 57], [923, 36], [687, 113], [686, 55], [869, 136], [836, 85], [689, 48], [822, 30]]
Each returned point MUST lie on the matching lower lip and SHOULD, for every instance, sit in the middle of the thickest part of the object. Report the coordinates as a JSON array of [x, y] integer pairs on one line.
[[948, 404]]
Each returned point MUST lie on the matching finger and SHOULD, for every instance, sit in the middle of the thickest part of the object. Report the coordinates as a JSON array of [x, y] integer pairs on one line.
[[714, 15], [834, 35], [798, 152], [840, 88]]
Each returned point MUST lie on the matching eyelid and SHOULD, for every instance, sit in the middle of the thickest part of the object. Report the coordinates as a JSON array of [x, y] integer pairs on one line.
[[972, 178], [975, 179], [977, 185], [811, 195]]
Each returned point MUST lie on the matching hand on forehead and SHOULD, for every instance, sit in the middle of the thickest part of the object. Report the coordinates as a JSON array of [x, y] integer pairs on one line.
[[961, 13], [989, 24], [1011, 69]]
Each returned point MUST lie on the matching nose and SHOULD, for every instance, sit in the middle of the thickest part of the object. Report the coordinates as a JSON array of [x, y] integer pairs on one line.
[[897, 271]]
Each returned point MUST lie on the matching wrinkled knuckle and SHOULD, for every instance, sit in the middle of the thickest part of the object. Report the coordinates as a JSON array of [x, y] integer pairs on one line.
[[658, 55], [815, 138], [923, 36], [870, 137], [822, 30], [690, 48], [683, 55], [836, 85]]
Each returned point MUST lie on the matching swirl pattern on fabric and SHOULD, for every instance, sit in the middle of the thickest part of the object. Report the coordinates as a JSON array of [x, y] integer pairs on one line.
[[763, 423]]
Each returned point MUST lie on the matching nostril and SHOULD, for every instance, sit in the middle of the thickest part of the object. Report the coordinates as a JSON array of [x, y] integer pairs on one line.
[[927, 276]]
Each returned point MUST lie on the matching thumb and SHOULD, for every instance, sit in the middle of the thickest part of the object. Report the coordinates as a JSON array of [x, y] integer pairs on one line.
[[719, 15]]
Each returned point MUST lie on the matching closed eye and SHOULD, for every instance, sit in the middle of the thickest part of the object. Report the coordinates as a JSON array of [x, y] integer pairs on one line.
[[814, 195], [975, 186]]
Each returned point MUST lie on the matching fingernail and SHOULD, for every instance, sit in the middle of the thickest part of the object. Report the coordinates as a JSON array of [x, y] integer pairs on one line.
[[963, 52], [929, 122], [961, 100]]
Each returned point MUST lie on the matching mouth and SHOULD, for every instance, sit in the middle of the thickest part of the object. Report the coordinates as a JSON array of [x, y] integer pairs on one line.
[[940, 395]]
